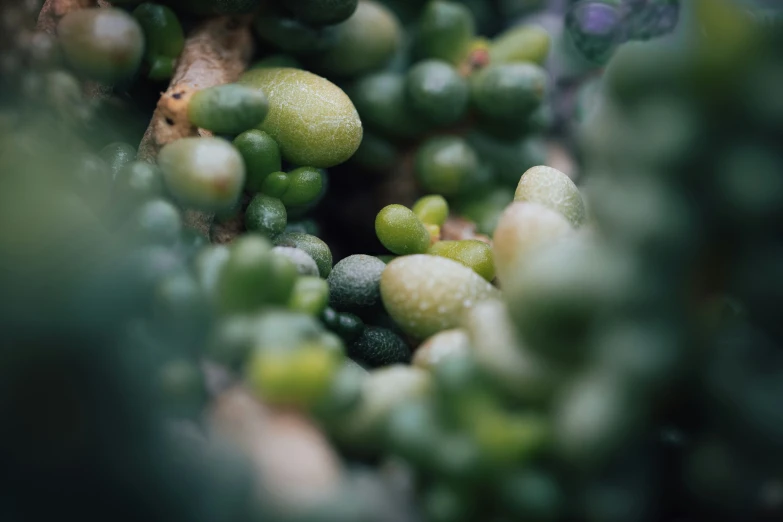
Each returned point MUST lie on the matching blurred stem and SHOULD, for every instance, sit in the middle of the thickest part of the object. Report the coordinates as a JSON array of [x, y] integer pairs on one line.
[[51, 13], [54, 10]]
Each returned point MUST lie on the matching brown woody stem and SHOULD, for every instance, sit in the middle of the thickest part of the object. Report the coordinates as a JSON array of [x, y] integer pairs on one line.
[[215, 53]]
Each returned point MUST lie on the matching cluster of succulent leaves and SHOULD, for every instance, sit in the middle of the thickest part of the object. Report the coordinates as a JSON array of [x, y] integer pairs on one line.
[[405, 231], [466, 108], [625, 365], [703, 245]]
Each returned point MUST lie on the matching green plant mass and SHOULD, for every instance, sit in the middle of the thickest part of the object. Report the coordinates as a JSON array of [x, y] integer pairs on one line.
[[391, 260]]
